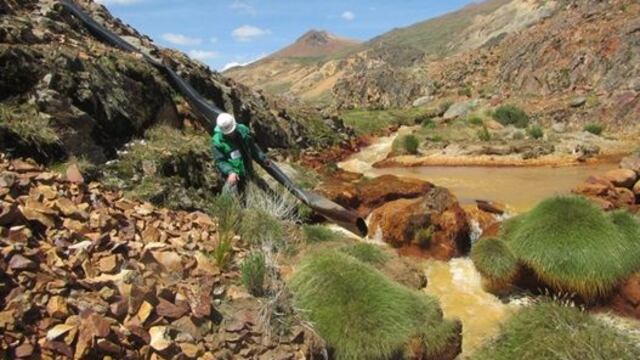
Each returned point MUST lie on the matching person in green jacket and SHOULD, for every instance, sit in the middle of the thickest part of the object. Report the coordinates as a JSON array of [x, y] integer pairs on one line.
[[233, 151]]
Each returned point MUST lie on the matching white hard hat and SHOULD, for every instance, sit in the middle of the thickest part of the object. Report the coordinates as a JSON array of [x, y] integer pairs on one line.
[[226, 122]]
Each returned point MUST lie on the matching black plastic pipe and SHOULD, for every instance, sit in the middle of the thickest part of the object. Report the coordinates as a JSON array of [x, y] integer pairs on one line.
[[347, 219]]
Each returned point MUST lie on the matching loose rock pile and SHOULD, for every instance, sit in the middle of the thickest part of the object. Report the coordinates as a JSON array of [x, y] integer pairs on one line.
[[619, 188], [86, 273]]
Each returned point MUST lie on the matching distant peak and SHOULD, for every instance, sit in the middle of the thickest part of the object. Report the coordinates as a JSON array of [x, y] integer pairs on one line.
[[315, 43]]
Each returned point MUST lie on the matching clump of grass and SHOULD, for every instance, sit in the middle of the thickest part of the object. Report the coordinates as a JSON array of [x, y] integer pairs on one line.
[[259, 227], [253, 272], [535, 132], [495, 261], [227, 209], [594, 128], [428, 124], [549, 330], [574, 247], [475, 120], [484, 134], [318, 233], [405, 144], [222, 252], [279, 204], [368, 122], [364, 315], [511, 115], [423, 237], [367, 253]]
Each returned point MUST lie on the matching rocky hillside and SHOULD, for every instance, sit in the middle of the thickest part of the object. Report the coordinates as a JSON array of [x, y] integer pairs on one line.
[[86, 99], [580, 65], [562, 61], [393, 57]]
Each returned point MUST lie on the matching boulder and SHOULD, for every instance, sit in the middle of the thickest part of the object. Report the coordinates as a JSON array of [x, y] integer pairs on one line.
[[636, 188], [578, 101], [631, 162], [624, 178], [385, 188], [342, 192], [459, 109], [434, 223], [421, 101], [627, 299]]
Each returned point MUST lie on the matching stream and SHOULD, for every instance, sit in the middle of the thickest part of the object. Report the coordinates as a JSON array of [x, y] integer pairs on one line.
[[456, 283]]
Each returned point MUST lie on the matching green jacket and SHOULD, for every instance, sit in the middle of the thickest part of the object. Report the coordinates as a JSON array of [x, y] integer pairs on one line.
[[235, 156]]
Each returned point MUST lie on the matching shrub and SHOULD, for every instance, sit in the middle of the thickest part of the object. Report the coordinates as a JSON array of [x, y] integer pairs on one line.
[[535, 132], [494, 260], [253, 273], [475, 120], [364, 315], [511, 115], [405, 144], [551, 331], [594, 128], [367, 253], [574, 247], [484, 134], [428, 124], [319, 233]]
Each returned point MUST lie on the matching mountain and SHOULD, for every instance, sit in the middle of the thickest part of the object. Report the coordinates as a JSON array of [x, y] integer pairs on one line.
[[315, 43]]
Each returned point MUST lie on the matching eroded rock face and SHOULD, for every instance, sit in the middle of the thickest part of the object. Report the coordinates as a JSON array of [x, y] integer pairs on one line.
[[434, 222]]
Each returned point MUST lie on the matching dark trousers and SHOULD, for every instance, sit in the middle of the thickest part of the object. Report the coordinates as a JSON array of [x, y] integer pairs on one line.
[[239, 187]]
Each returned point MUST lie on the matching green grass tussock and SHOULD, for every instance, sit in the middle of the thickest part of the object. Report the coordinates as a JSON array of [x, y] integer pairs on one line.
[[405, 144], [260, 227], [253, 271], [318, 233], [27, 123], [367, 253], [549, 330], [535, 132], [361, 313], [594, 128], [574, 246], [494, 260], [511, 115]]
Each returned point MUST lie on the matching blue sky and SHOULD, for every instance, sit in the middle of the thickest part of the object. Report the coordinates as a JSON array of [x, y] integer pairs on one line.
[[224, 32]]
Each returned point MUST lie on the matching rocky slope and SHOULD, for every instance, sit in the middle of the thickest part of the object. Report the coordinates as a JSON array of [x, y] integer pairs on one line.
[[87, 273], [89, 99]]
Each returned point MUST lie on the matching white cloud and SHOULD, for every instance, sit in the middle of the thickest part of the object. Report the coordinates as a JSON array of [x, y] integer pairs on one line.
[[203, 55], [244, 7], [249, 32], [179, 39], [348, 15], [117, 2], [228, 66]]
